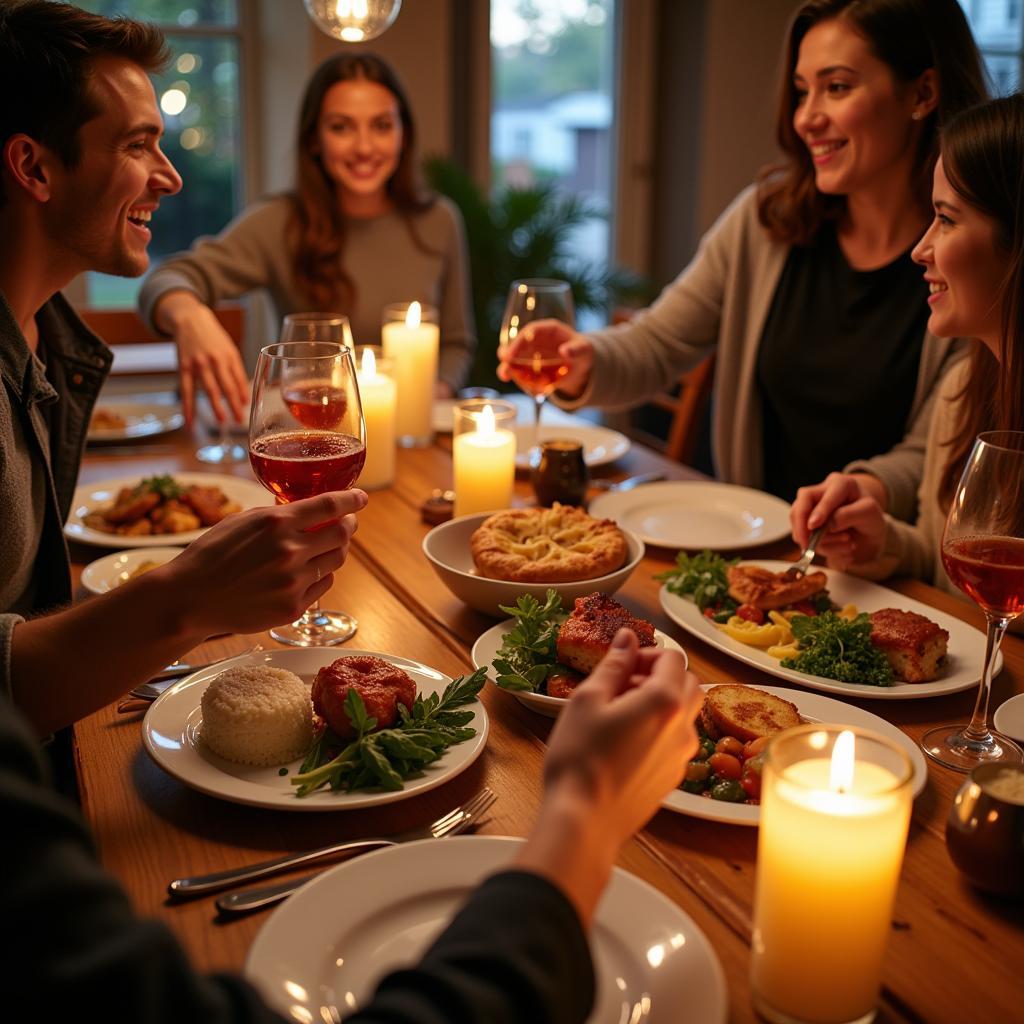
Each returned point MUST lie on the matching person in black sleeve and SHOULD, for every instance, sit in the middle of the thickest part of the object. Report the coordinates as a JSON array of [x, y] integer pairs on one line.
[[619, 746]]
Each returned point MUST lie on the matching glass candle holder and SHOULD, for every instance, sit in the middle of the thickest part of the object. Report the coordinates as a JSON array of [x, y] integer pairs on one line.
[[559, 473], [835, 809], [379, 396], [411, 337], [484, 455]]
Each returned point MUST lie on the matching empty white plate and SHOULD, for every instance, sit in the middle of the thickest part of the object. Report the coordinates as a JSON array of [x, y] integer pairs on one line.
[[1009, 717], [321, 954], [697, 514], [600, 445]]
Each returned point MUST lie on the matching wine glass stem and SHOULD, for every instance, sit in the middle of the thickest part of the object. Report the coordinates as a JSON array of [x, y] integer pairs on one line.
[[538, 403], [978, 729], [307, 620]]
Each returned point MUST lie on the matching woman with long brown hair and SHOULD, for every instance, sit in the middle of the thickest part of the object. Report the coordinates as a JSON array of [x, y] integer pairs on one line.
[[804, 288], [357, 232], [973, 255]]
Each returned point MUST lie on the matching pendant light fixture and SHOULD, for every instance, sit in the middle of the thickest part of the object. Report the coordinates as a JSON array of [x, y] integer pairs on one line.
[[353, 21]]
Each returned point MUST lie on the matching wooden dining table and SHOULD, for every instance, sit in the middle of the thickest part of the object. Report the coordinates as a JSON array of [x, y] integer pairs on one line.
[[954, 953]]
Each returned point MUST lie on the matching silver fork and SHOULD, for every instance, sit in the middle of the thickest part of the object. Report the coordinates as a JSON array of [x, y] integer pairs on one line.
[[799, 568], [448, 824]]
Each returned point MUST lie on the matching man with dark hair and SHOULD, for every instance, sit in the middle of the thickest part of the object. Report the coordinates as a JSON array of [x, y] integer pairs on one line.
[[81, 174]]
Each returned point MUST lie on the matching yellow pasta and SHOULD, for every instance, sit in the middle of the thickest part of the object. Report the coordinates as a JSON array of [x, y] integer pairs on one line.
[[848, 612], [747, 632], [781, 651]]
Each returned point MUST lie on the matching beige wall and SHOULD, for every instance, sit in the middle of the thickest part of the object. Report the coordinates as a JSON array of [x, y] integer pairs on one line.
[[743, 48]]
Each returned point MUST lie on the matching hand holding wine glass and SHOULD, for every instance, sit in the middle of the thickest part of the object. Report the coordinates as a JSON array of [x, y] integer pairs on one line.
[[306, 437], [532, 358], [983, 552]]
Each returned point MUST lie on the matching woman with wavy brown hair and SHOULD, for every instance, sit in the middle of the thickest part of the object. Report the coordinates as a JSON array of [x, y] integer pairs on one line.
[[358, 232], [973, 259], [804, 288]]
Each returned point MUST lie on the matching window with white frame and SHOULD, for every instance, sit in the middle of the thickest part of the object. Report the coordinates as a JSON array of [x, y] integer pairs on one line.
[[200, 98], [998, 26]]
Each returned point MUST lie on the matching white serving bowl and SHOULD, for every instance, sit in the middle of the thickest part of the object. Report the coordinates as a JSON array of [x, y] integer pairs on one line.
[[447, 550], [111, 571]]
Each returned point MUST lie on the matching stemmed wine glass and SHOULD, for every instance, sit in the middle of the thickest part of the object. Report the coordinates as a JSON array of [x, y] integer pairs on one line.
[[983, 552], [537, 367], [306, 437]]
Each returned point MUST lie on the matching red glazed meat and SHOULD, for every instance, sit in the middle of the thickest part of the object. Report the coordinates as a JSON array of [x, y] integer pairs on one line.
[[382, 686]]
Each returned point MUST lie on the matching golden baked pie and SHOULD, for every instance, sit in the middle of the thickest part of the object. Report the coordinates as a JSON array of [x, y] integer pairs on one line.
[[561, 544]]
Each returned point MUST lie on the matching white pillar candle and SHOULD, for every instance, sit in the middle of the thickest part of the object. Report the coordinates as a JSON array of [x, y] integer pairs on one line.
[[378, 392], [485, 457], [833, 831], [411, 339]]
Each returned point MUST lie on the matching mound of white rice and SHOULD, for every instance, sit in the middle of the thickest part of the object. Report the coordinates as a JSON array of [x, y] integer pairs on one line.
[[254, 714]]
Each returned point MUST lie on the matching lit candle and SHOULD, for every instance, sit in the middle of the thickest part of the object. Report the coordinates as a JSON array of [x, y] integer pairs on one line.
[[484, 454], [411, 337], [833, 829], [377, 391]]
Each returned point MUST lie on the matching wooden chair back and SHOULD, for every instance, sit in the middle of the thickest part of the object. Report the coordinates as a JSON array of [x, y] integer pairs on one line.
[[685, 402], [126, 327]]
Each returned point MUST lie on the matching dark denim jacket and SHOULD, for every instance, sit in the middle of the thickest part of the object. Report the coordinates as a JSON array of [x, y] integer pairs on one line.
[[44, 416]]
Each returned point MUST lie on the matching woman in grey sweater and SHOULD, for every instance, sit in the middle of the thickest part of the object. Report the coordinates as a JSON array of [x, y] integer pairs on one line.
[[804, 288], [356, 233]]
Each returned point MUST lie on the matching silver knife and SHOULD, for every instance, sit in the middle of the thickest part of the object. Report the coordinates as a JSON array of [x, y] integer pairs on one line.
[[253, 899]]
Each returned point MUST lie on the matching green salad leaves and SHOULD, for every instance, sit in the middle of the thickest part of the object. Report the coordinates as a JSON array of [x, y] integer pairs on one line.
[[838, 649], [386, 758], [702, 577], [528, 652]]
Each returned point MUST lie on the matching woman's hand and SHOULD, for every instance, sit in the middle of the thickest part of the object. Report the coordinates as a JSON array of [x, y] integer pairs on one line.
[[856, 520], [206, 356], [552, 337], [621, 743], [262, 567]]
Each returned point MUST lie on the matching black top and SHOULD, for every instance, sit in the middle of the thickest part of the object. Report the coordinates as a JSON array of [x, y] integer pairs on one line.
[[516, 952], [838, 362]]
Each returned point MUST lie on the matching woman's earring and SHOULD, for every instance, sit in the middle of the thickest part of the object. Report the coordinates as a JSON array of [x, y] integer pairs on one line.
[[916, 115]]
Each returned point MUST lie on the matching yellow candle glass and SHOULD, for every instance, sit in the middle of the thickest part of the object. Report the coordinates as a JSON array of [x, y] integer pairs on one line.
[[379, 397], [484, 455], [835, 809], [411, 338]]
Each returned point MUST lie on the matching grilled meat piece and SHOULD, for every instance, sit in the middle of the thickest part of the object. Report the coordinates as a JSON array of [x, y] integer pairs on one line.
[[749, 584], [587, 634], [382, 686], [914, 645]]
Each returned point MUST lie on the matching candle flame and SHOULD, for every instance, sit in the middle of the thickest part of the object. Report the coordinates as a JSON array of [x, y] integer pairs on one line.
[[369, 365], [485, 422], [412, 317], [841, 774]]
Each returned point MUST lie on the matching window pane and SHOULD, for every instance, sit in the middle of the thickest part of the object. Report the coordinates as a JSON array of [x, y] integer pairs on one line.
[[552, 119], [998, 26], [1005, 72], [187, 13]]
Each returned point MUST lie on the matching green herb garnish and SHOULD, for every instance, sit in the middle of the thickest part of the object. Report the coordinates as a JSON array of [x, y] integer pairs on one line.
[[838, 649], [166, 486], [702, 577], [528, 652], [387, 757]]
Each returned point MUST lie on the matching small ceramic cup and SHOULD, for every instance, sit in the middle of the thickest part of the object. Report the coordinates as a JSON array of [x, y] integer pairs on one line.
[[985, 829]]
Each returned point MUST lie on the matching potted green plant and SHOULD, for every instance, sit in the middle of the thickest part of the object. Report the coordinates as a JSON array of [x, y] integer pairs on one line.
[[523, 232]]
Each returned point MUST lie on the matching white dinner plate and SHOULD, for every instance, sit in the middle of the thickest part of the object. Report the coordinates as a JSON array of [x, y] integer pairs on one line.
[[142, 419], [961, 671], [486, 647], [697, 514], [1009, 717], [600, 445], [91, 497], [651, 961], [112, 570], [171, 732], [814, 708]]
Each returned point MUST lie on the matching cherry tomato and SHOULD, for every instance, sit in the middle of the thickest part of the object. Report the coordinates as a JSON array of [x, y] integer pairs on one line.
[[750, 613], [729, 745], [709, 612], [725, 766], [804, 608], [697, 771], [751, 783], [755, 747]]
